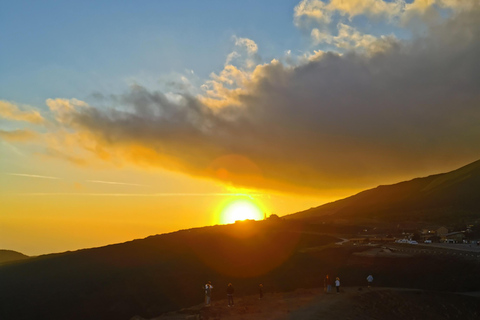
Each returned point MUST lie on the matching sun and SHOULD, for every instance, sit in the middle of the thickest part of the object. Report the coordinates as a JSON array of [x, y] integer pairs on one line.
[[240, 210]]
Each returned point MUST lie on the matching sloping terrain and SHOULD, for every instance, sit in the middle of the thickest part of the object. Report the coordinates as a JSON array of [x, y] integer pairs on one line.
[[10, 255], [355, 303], [167, 272], [152, 275], [442, 198]]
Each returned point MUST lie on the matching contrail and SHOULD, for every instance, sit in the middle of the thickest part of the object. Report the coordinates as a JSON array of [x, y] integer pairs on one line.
[[117, 183], [251, 196], [32, 176]]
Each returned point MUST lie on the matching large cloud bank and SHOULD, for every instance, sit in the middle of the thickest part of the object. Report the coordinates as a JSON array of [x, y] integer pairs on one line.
[[332, 121]]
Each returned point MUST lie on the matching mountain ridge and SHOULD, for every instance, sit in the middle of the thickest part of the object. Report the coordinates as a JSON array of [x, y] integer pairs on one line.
[[7, 256], [437, 196]]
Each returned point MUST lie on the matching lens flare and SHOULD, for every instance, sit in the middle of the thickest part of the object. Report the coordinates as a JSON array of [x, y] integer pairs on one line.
[[240, 210]]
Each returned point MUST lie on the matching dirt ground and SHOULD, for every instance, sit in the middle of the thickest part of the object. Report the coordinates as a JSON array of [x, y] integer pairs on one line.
[[351, 303]]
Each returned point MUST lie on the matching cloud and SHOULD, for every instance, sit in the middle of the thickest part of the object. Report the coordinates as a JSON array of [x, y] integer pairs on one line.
[[224, 87], [248, 44], [18, 135], [116, 183], [62, 108], [84, 194], [321, 17], [333, 121], [32, 176], [322, 12], [308, 10], [11, 111], [59, 154], [351, 39]]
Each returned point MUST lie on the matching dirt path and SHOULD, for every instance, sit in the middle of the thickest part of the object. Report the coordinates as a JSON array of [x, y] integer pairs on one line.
[[351, 303]]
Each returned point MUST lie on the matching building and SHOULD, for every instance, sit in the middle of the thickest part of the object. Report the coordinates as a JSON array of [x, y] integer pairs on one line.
[[453, 237]]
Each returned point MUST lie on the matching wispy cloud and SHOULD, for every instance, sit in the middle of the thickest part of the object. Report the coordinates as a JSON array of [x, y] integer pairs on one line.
[[32, 176], [173, 194], [320, 17], [12, 111], [18, 135], [116, 183]]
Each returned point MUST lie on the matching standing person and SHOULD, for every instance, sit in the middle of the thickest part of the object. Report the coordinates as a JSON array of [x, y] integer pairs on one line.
[[260, 291], [337, 284], [369, 280], [327, 284], [208, 293], [230, 291]]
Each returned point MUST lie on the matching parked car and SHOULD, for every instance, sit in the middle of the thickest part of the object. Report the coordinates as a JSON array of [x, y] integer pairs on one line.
[[427, 241]]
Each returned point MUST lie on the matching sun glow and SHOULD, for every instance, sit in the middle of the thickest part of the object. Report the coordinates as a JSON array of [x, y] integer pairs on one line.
[[240, 210]]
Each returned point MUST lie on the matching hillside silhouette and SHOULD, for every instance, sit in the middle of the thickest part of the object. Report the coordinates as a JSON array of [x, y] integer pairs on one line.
[[10, 256], [442, 198], [163, 273], [157, 274]]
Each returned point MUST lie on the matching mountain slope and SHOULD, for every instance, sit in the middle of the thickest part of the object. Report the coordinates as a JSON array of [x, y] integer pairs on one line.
[[157, 274], [9, 256], [447, 197]]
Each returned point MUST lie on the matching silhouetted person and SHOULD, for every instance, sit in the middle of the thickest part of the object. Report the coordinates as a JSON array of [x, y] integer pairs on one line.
[[337, 285], [370, 280], [230, 291], [327, 284], [208, 293], [260, 291]]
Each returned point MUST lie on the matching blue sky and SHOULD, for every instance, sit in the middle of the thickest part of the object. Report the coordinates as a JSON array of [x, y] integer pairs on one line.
[[71, 49]]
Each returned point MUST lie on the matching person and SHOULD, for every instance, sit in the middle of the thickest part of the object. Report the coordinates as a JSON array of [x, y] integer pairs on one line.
[[327, 284], [369, 280], [337, 284], [260, 290], [208, 293], [230, 291]]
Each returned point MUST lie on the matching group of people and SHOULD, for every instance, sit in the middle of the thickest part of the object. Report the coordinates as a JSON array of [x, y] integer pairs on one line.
[[230, 292], [327, 285]]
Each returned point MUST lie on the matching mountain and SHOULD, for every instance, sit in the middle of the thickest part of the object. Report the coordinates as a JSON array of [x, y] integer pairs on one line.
[[149, 277], [451, 197], [161, 273], [9, 256]]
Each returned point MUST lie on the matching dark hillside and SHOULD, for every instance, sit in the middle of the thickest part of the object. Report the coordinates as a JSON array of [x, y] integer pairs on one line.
[[442, 198], [9, 256], [153, 275], [167, 272]]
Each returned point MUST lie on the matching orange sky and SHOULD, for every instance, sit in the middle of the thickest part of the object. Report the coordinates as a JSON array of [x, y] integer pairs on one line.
[[64, 208]]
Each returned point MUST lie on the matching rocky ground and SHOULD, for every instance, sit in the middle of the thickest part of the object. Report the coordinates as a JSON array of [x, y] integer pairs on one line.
[[351, 303]]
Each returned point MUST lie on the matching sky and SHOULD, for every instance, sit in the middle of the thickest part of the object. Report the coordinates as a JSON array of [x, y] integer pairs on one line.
[[124, 119]]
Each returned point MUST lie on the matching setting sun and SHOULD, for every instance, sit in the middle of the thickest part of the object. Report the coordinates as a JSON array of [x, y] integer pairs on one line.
[[240, 210]]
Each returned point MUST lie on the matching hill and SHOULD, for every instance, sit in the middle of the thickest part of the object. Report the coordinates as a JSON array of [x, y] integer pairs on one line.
[[10, 255], [442, 198], [157, 274], [163, 273]]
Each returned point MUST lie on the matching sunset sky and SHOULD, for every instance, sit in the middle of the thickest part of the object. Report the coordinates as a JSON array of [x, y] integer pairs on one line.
[[124, 119]]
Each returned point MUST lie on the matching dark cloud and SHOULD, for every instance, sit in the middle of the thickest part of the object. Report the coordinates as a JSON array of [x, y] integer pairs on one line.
[[347, 121]]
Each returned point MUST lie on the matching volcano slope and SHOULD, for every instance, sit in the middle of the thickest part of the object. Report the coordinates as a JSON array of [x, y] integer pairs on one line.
[[352, 303]]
